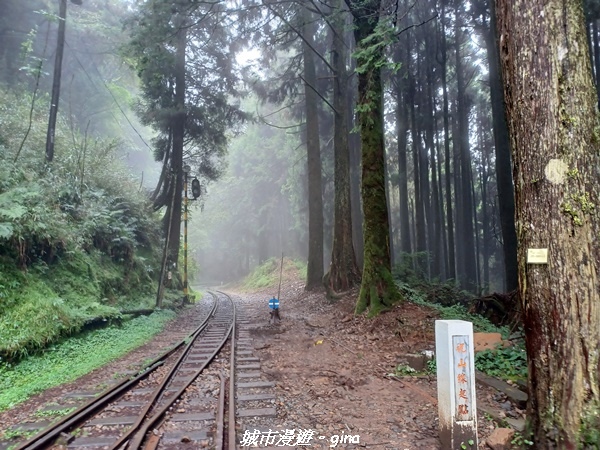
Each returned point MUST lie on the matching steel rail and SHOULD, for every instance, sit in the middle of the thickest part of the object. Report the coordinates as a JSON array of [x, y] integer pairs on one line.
[[162, 386], [231, 420], [220, 414], [140, 429], [51, 433]]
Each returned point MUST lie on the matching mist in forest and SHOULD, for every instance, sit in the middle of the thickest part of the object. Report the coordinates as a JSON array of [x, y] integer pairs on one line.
[[98, 90], [447, 159]]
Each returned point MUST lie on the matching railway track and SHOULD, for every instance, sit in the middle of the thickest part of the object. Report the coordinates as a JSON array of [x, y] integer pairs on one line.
[[179, 401]]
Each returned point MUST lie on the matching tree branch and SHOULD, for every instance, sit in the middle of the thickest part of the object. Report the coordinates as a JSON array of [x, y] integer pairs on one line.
[[299, 35]]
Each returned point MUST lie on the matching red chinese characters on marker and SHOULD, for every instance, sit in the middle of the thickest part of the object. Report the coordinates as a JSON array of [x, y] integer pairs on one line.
[[462, 381]]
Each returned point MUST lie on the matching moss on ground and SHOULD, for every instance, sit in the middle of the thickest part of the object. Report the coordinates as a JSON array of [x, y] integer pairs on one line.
[[47, 302]]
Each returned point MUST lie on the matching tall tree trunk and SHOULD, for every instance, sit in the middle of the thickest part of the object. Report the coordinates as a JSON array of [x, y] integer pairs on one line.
[[485, 218], [402, 127], [354, 147], [378, 289], [343, 272], [438, 234], [60, 47], [469, 255], [443, 237], [459, 200], [476, 229], [355, 198], [388, 200], [552, 114], [420, 225], [428, 158], [506, 200], [314, 272], [451, 257], [178, 126]]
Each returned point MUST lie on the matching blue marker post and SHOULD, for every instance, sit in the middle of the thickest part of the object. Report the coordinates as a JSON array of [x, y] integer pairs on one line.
[[274, 305], [274, 302]]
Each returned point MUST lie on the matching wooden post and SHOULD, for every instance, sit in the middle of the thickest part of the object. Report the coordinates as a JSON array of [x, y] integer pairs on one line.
[[455, 363]]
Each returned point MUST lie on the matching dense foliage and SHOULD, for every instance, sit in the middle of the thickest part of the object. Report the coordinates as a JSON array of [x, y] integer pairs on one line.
[[77, 239]]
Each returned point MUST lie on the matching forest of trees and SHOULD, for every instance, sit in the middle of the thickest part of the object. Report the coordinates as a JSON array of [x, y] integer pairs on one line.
[[365, 137], [448, 178]]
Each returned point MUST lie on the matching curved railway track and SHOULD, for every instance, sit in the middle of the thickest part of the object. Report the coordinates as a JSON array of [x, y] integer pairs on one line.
[[178, 399]]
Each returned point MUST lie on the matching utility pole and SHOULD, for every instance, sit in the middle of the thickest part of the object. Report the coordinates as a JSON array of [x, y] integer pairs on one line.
[[186, 172], [60, 47]]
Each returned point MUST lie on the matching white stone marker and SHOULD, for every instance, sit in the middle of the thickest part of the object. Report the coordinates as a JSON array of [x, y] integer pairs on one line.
[[455, 363]]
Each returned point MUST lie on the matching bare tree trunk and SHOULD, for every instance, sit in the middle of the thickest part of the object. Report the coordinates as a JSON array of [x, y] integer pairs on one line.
[[419, 204], [402, 130], [314, 272], [343, 272], [506, 200], [443, 244], [469, 255], [437, 219], [485, 218], [60, 48], [178, 139], [431, 205], [551, 107], [451, 257]]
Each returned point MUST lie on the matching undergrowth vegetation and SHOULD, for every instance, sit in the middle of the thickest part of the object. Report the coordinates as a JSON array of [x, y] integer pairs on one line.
[[67, 360], [267, 274], [78, 239], [452, 303]]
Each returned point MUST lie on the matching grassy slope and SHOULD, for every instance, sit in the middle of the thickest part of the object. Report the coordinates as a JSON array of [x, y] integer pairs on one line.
[[74, 357], [41, 304]]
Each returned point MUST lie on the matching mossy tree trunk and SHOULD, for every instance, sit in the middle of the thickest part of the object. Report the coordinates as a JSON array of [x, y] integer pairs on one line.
[[377, 289], [552, 112]]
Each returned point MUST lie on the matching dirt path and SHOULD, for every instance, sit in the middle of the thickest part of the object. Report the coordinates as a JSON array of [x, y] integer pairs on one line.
[[330, 371]]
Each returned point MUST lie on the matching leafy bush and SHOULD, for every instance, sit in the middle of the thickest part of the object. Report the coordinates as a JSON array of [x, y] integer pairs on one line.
[[507, 363]]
